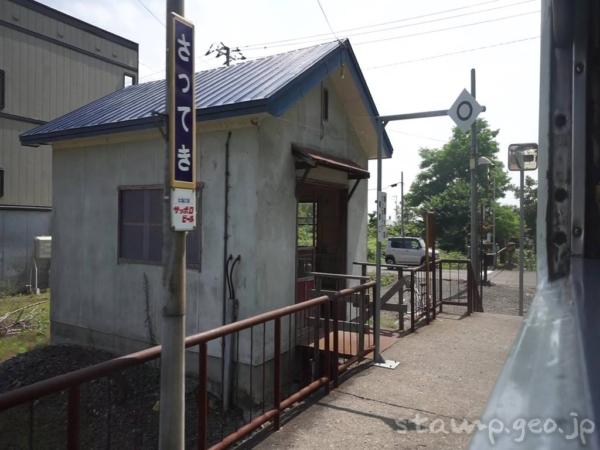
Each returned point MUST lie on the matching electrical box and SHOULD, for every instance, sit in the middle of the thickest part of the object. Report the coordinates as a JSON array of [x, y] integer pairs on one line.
[[42, 247]]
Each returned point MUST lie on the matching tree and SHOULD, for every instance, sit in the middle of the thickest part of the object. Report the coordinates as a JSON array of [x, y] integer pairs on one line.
[[529, 206], [443, 185], [507, 224]]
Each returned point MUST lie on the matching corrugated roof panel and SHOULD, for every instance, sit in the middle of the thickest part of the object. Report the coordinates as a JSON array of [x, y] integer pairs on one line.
[[244, 88], [244, 82]]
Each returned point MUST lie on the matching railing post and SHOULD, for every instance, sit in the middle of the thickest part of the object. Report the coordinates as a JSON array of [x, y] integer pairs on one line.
[[361, 323], [336, 358], [433, 288], [327, 345], [412, 300], [277, 373], [401, 299], [440, 297], [73, 419], [470, 288], [203, 395]]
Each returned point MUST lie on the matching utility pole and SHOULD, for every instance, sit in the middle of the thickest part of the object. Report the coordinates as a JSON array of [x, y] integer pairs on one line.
[[230, 54], [377, 357], [172, 367], [473, 181], [402, 204]]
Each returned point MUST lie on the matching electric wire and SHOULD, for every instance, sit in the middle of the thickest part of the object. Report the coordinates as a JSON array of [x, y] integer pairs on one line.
[[457, 52], [327, 20], [151, 13], [423, 33], [348, 32], [454, 27]]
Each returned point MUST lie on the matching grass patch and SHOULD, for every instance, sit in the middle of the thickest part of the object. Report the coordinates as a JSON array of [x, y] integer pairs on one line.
[[35, 322], [386, 278]]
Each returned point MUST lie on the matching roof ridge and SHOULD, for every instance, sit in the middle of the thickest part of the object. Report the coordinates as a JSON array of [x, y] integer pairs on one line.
[[260, 58]]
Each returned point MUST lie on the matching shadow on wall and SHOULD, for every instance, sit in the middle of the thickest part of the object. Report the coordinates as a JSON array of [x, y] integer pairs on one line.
[[17, 231]]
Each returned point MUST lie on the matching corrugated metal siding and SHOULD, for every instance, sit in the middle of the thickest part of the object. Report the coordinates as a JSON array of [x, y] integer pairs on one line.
[[43, 81], [27, 171], [244, 83], [55, 29]]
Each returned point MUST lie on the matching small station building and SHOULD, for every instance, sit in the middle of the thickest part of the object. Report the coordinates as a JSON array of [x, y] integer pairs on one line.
[[283, 148]]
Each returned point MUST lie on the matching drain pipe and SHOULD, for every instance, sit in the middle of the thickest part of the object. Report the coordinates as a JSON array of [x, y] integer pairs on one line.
[[226, 341]]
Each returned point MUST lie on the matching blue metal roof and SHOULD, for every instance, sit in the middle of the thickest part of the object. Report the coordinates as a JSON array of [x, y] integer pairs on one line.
[[270, 84]]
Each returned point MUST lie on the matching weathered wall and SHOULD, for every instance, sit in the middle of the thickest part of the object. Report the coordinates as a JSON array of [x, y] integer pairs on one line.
[[100, 302], [112, 305]]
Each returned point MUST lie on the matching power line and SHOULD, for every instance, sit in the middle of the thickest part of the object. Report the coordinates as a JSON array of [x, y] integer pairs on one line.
[[263, 44], [458, 52], [151, 13], [455, 27], [327, 20], [348, 32], [438, 30]]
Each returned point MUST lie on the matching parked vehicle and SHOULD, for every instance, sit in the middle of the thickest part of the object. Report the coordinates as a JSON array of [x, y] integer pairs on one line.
[[406, 250]]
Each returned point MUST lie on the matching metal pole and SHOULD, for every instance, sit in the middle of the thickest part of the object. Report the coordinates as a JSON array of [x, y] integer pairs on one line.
[[402, 204], [377, 313], [473, 181], [494, 219], [172, 367], [521, 239]]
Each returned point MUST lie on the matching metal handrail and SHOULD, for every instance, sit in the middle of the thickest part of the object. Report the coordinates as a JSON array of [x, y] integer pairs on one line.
[[71, 381]]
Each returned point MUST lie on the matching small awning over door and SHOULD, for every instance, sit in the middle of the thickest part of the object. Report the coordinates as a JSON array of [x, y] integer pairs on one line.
[[307, 158]]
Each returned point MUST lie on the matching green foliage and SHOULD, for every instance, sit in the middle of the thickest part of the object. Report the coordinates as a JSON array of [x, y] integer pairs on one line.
[[529, 206], [443, 185], [507, 224], [307, 217]]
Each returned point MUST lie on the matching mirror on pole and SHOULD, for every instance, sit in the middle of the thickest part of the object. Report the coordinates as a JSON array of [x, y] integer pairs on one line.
[[522, 156]]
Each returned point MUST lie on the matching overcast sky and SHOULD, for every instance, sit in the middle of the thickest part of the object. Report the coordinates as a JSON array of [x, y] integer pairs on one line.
[[415, 56]]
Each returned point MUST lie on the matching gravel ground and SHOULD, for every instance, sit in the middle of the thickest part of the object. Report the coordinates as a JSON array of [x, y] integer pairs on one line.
[[502, 299], [116, 412]]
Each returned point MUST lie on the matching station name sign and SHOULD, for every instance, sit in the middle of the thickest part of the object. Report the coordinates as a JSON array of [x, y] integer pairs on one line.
[[182, 125]]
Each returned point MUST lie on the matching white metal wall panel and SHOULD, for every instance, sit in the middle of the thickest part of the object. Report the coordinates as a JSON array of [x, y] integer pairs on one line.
[[27, 171]]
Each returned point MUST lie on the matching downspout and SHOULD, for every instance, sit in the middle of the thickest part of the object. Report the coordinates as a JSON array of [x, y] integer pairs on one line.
[[226, 352]]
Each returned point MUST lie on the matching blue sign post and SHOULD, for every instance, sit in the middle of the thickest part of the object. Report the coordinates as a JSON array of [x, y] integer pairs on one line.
[[182, 126]]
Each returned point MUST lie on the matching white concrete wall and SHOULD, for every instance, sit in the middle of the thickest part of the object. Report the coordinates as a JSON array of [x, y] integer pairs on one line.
[[101, 302]]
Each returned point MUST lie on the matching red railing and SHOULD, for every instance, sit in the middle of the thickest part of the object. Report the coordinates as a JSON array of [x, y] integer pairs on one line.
[[312, 326]]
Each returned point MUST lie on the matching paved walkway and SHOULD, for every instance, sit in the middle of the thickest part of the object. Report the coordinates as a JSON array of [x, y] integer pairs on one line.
[[447, 371]]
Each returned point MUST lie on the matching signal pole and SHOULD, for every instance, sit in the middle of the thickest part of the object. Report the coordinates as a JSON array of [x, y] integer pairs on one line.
[[473, 181]]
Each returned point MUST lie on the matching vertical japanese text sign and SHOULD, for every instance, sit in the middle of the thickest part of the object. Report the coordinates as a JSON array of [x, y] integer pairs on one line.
[[182, 126]]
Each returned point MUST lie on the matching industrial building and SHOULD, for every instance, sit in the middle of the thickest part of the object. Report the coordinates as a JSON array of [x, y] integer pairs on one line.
[[50, 64]]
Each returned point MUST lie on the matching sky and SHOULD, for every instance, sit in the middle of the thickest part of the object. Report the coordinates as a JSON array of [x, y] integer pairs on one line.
[[415, 56]]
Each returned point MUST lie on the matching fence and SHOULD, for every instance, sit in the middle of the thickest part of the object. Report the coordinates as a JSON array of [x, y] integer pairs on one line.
[[281, 357], [423, 293]]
